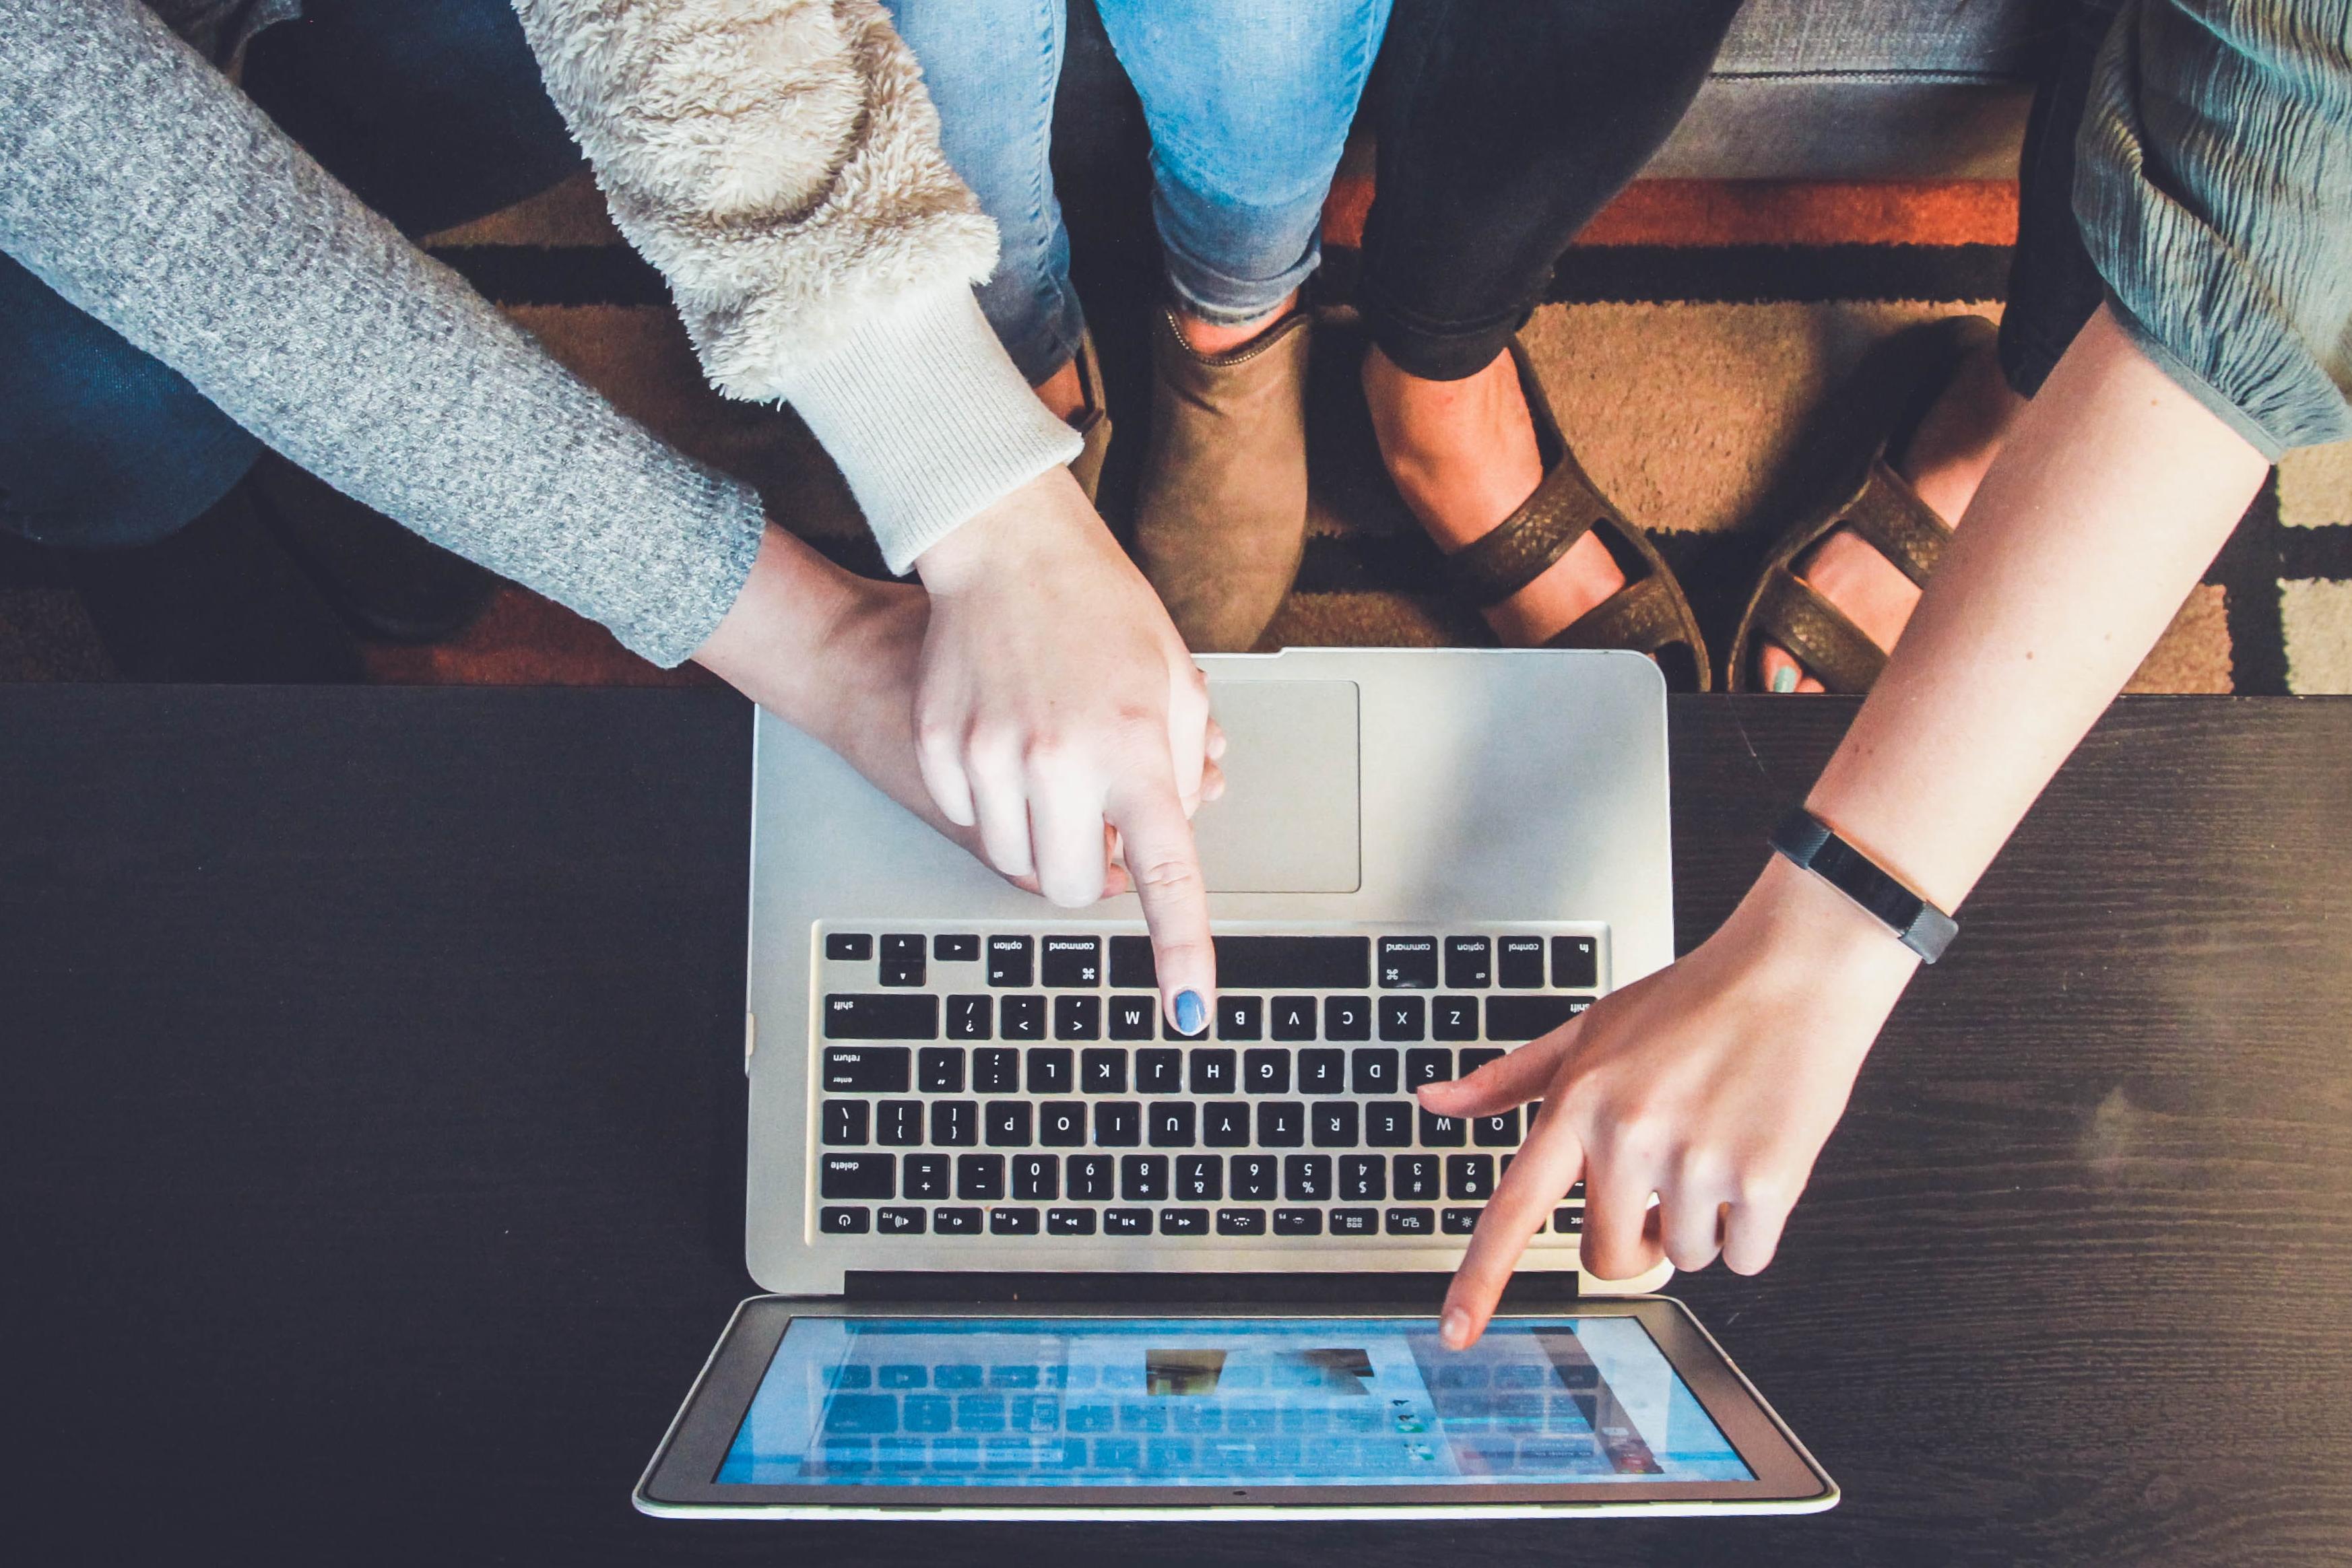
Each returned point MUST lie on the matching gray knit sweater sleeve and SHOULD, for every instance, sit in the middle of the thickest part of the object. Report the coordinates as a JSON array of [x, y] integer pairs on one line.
[[138, 183], [2213, 185]]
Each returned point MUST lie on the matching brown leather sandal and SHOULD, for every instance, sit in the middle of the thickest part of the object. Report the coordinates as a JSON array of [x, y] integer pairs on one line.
[[1649, 615], [1878, 504], [1092, 421]]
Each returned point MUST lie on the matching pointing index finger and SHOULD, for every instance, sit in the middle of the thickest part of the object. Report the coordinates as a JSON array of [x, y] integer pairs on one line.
[[1165, 866], [1547, 1166]]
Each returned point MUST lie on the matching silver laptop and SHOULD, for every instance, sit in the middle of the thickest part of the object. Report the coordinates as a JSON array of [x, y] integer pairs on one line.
[[964, 1100]]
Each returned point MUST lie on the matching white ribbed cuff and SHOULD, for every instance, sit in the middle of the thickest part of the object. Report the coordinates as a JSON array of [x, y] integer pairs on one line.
[[921, 409]]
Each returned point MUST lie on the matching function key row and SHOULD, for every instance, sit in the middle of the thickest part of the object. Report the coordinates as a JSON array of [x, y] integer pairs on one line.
[[1205, 1070], [945, 1220], [1243, 962], [909, 1016]]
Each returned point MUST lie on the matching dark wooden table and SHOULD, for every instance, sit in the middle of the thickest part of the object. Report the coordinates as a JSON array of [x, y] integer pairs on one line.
[[371, 1142]]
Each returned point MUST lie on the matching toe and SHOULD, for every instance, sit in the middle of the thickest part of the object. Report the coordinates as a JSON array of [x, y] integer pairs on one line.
[[1780, 670]]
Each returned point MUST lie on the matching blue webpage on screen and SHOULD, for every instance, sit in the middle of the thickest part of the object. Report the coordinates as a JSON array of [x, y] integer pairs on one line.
[[1220, 1402]]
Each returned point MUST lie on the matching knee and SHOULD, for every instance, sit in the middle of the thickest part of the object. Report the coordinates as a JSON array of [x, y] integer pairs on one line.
[[1234, 240], [100, 443], [119, 472]]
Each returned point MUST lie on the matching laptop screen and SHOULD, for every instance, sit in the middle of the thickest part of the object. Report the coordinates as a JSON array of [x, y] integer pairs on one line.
[[1221, 1401]]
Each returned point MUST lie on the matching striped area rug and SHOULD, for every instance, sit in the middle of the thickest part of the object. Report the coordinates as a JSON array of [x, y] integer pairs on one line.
[[1692, 342]]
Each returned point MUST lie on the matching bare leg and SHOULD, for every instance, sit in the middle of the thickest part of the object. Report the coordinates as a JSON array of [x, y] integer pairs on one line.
[[1210, 339], [1062, 393]]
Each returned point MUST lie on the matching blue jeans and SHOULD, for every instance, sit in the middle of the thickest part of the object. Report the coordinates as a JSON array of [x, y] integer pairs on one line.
[[1248, 101], [430, 110]]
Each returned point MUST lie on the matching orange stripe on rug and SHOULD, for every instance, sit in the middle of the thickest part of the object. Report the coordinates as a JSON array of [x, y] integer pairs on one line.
[[521, 639], [1762, 212]]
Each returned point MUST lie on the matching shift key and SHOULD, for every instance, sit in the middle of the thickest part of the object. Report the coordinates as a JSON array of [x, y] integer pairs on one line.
[[865, 1070], [1530, 1017], [884, 1017]]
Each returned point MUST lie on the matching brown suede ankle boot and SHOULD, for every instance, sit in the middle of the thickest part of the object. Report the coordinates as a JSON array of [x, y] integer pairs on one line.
[[1222, 520]]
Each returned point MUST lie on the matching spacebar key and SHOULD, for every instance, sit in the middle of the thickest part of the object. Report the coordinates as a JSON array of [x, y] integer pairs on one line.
[[1259, 962], [905, 1016]]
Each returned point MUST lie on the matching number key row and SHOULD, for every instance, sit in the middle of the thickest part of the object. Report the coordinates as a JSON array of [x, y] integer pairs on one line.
[[1174, 1124], [1161, 1178], [1213, 1069], [949, 1220]]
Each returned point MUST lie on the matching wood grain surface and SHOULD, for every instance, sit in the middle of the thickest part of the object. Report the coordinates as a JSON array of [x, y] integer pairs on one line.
[[371, 1139]]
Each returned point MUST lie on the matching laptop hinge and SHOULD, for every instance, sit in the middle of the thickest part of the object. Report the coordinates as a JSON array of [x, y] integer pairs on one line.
[[1530, 1290]]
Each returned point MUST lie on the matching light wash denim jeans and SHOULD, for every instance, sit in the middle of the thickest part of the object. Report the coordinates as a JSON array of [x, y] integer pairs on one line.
[[1248, 101]]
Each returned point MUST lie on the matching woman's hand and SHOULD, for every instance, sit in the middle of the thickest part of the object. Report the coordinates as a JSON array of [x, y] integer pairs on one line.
[[838, 657], [1712, 1084], [1057, 712]]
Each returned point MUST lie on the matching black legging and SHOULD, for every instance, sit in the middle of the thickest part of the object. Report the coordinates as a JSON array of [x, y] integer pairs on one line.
[[2052, 287], [1503, 126]]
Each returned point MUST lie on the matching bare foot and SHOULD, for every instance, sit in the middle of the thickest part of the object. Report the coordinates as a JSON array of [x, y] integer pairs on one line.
[[1463, 454], [1945, 460]]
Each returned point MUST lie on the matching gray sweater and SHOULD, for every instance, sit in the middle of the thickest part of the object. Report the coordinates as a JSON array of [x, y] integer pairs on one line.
[[142, 186]]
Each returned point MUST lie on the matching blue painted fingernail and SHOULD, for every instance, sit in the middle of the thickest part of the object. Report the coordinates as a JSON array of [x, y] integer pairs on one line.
[[1191, 1014], [1784, 679]]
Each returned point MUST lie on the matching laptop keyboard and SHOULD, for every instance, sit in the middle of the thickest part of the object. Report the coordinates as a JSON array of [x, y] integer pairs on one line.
[[1023, 1083]]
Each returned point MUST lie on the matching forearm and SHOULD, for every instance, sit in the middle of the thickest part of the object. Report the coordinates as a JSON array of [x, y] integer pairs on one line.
[[834, 656], [138, 183], [1710, 1088], [772, 643], [2114, 492]]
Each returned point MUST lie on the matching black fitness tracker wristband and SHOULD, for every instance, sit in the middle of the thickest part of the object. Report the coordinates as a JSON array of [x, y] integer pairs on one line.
[[1919, 925]]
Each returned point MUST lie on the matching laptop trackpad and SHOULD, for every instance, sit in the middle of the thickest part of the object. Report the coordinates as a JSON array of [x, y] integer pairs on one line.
[[1287, 822]]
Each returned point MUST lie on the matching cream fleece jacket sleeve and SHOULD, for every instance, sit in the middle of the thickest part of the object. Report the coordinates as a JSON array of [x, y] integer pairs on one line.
[[779, 161]]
